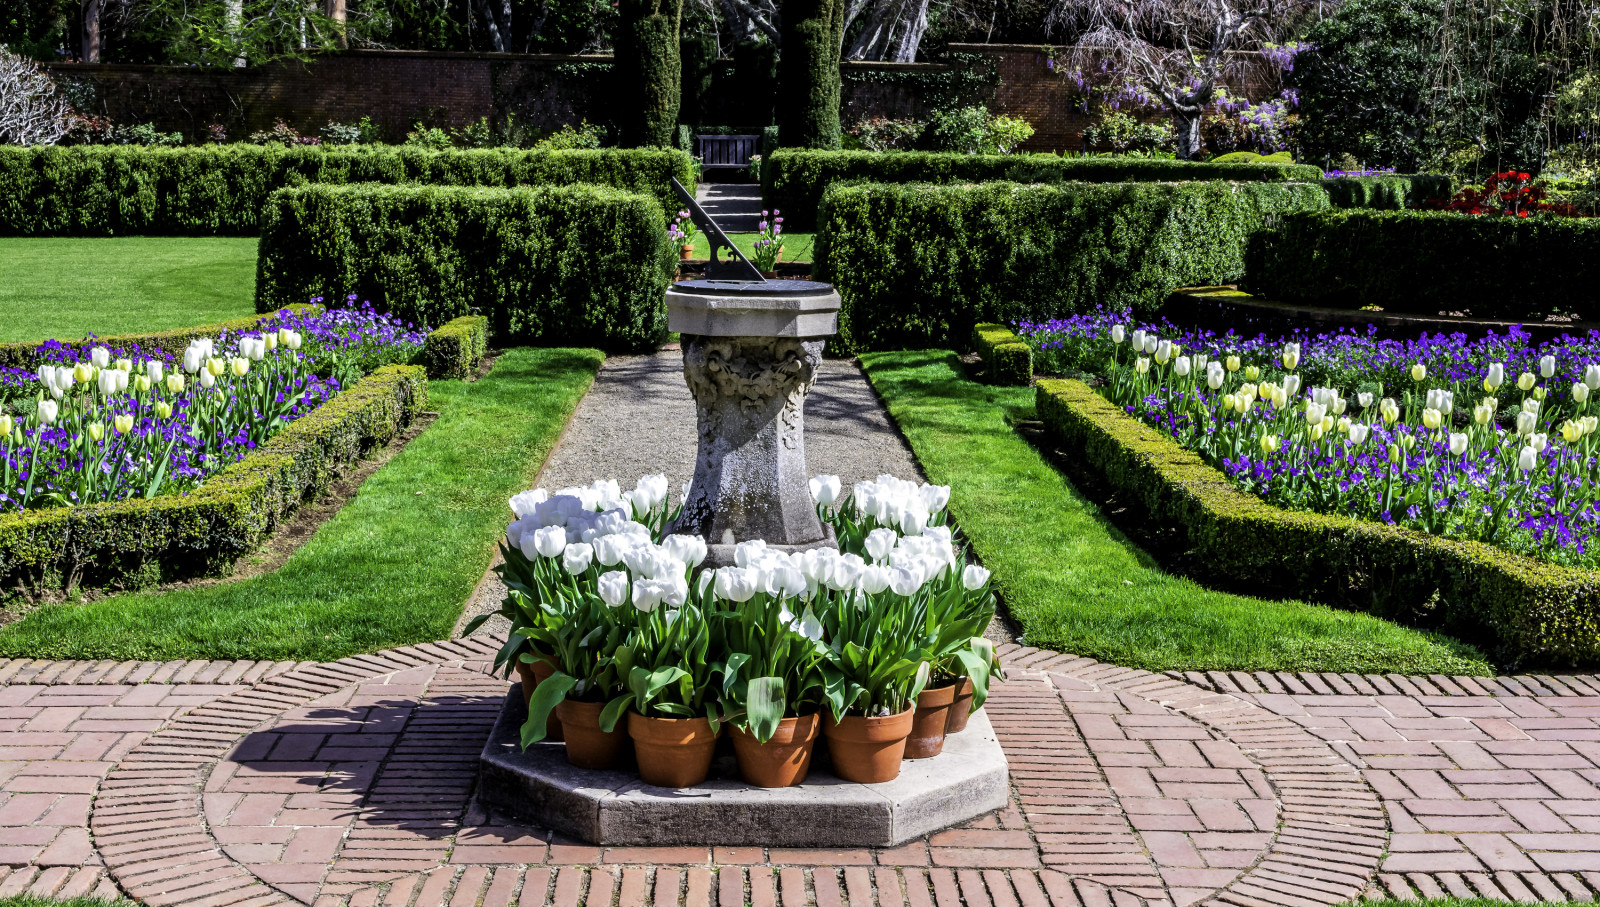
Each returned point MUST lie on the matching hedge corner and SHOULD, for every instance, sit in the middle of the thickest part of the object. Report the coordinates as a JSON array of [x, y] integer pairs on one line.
[[456, 347], [1006, 359]]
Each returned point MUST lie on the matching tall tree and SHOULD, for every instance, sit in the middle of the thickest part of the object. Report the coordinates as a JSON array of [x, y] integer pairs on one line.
[[808, 73], [1175, 53], [648, 70]]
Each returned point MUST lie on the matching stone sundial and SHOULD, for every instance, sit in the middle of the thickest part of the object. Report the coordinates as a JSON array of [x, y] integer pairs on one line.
[[751, 351]]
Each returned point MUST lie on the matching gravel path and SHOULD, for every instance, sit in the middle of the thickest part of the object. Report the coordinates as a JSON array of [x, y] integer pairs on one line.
[[639, 419]]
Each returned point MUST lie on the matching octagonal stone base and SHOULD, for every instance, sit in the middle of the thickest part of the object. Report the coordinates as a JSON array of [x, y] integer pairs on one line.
[[615, 808]]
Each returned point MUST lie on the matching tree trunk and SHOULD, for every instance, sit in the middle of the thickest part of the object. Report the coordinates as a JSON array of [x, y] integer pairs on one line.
[[335, 10], [648, 71], [911, 31], [234, 11], [91, 30], [1186, 124]]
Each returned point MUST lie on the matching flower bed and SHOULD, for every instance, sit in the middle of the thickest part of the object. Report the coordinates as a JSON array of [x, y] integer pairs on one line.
[[612, 618], [1490, 440], [108, 424]]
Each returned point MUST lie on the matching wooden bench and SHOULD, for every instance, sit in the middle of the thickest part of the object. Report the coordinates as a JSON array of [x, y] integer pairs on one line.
[[725, 152]]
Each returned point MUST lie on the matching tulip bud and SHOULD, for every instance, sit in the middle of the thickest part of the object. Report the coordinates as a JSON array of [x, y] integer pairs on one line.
[[1389, 409], [175, 383], [1431, 418], [1232, 363], [1408, 441], [123, 423], [1180, 366], [1458, 443], [1591, 377], [5, 426], [1118, 334], [1495, 378], [1419, 372], [1527, 459], [1525, 381], [1394, 453], [163, 409], [1526, 423], [96, 431], [1270, 444], [1252, 373], [240, 366], [1580, 392], [1364, 400], [1539, 441], [1142, 365]]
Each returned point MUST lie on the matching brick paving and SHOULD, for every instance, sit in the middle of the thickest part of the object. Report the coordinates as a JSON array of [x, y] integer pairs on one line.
[[254, 784]]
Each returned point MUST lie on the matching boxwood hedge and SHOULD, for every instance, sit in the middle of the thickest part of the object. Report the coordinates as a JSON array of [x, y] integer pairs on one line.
[[571, 265], [1006, 359], [918, 266], [1431, 262], [1390, 192], [119, 190], [1524, 611], [133, 543], [454, 349], [794, 180]]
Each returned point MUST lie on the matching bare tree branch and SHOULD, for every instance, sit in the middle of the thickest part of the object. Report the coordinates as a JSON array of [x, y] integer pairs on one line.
[[33, 111]]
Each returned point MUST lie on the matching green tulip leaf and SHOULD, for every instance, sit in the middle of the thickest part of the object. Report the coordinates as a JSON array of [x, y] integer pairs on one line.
[[765, 703], [546, 696]]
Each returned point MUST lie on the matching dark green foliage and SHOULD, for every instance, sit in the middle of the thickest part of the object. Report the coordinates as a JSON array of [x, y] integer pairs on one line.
[[547, 265], [649, 78], [454, 349], [221, 189], [794, 180], [1524, 610], [1427, 262], [1387, 192], [203, 532], [918, 266], [1365, 82], [755, 83], [808, 74], [1006, 359], [697, 55]]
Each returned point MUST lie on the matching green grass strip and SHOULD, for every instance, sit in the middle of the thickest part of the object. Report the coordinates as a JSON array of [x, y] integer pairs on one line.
[[1075, 584], [796, 246], [393, 567], [68, 288]]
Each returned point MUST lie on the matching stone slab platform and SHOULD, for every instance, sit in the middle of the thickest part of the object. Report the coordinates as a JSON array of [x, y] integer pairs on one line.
[[967, 780]]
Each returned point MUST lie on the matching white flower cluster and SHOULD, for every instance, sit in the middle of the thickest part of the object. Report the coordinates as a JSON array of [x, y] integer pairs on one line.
[[907, 506]]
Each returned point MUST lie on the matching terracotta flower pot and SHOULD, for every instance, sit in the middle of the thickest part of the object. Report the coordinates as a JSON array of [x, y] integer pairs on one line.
[[868, 750], [587, 745], [686, 250], [532, 675], [770, 275], [782, 761], [928, 722], [960, 708], [672, 752]]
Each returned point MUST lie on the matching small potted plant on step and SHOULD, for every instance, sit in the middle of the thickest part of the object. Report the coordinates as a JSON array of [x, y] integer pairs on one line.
[[767, 250], [683, 233]]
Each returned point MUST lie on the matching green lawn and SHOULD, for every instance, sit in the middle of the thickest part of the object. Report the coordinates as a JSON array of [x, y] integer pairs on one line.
[[70, 288], [796, 246], [1076, 584], [392, 568]]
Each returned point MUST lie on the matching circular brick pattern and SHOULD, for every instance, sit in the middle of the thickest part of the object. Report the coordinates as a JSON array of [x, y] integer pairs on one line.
[[352, 783]]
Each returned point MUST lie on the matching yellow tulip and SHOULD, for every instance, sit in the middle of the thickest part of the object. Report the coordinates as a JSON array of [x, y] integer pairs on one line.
[[123, 423], [1431, 418], [1232, 363], [96, 431]]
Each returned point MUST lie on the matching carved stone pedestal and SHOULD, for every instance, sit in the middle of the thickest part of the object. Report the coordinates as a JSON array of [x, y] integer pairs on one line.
[[750, 356]]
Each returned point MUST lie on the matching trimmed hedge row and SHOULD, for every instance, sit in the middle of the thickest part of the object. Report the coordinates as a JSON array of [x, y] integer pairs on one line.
[[1528, 611], [137, 543], [25, 354], [1393, 192], [454, 349], [221, 189], [794, 180], [574, 265], [1006, 359], [1428, 262], [918, 266]]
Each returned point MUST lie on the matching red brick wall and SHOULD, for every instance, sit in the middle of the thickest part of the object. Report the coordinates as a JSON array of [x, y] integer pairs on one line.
[[398, 88]]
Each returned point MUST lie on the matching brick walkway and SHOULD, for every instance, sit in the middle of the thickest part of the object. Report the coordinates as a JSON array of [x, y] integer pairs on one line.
[[240, 784]]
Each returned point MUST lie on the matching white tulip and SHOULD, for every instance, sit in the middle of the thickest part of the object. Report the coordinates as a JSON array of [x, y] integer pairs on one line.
[[193, 358], [1432, 418], [973, 577], [880, 542], [48, 410], [1539, 441], [704, 583], [100, 356], [1591, 377], [1164, 352], [549, 541], [809, 627], [1458, 443], [1547, 366], [747, 553], [1215, 375], [524, 502], [736, 584], [1315, 412], [783, 580], [691, 549], [1364, 399], [1151, 343], [1181, 366], [207, 380], [1530, 405], [904, 581], [108, 382], [1291, 356], [936, 497], [647, 595], [576, 558], [1118, 334], [1527, 459], [825, 489], [1495, 378], [1526, 423], [874, 579], [155, 370], [1291, 385], [1389, 409], [1138, 341], [1358, 433], [1419, 372], [1580, 392]]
